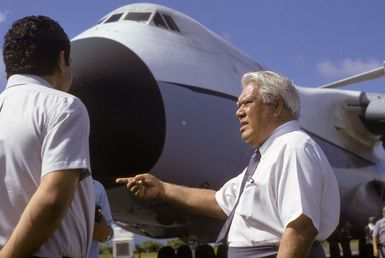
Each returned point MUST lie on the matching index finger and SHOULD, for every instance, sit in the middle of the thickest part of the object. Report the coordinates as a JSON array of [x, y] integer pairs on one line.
[[123, 180]]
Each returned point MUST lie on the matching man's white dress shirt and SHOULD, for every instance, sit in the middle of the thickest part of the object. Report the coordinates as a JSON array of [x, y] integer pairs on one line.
[[43, 130], [293, 177]]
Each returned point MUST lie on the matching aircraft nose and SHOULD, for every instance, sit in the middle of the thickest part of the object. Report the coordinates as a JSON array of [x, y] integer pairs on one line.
[[125, 107]]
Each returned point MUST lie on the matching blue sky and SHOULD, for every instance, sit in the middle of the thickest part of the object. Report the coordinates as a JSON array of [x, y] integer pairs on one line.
[[311, 42]]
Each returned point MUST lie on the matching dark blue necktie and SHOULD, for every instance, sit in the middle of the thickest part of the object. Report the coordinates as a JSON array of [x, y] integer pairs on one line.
[[253, 163]]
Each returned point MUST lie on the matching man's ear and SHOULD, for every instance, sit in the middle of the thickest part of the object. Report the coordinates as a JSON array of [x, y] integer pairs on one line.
[[61, 66], [278, 106]]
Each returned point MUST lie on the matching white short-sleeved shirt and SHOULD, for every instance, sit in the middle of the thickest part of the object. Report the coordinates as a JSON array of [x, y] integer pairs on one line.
[[379, 231], [102, 200], [43, 130], [292, 178]]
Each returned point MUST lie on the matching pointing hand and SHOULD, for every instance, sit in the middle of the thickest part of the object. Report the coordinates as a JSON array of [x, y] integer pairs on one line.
[[144, 185]]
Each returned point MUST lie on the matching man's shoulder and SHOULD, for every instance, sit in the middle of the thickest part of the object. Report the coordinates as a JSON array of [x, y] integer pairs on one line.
[[53, 93], [52, 98], [298, 142], [99, 188], [380, 224], [39, 91], [381, 221], [32, 84], [296, 138]]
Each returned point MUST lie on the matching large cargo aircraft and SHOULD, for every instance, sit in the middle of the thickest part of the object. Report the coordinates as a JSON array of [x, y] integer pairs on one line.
[[161, 91]]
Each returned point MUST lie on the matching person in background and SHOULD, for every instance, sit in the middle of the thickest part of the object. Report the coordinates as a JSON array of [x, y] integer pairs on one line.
[[379, 237], [369, 236], [334, 247], [46, 193], [166, 252], [204, 251], [288, 178], [184, 251], [103, 231], [345, 238]]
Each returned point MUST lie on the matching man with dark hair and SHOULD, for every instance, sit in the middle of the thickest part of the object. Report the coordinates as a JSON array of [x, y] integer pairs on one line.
[[47, 202], [30, 48]]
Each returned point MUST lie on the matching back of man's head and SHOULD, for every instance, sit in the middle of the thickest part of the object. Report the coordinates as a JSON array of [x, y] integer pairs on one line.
[[32, 46]]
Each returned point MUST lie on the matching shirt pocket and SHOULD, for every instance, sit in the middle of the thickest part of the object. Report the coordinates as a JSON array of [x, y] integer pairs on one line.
[[257, 206], [248, 200]]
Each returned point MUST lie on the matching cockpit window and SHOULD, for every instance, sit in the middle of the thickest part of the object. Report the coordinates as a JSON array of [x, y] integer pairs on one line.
[[114, 18], [158, 20], [171, 23], [139, 17]]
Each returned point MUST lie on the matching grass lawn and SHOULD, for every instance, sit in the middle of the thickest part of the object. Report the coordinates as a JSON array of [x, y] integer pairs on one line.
[[143, 255], [146, 255], [353, 245], [105, 255]]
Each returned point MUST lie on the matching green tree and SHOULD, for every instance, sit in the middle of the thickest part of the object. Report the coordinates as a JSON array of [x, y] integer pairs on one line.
[[138, 248], [175, 243], [150, 246], [105, 249]]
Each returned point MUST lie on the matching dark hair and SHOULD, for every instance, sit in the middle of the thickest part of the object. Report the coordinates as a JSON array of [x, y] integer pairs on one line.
[[184, 251], [204, 251], [166, 252], [32, 46]]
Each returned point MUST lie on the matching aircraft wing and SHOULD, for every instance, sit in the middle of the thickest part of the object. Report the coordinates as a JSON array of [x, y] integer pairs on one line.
[[369, 75]]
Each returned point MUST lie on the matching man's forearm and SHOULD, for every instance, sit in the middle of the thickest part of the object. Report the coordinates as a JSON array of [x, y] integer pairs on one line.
[[375, 246], [197, 200], [40, 219], [293, 246], [297, 239], [33, 229]]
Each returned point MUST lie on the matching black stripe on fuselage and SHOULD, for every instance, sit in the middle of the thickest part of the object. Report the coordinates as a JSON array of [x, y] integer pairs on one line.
[[337, 156], [204, 91]]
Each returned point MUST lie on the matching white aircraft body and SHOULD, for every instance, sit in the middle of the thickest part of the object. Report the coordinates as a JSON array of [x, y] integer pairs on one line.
[[161, 91]]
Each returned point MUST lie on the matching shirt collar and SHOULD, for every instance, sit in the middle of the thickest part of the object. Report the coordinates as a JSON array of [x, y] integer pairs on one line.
[[285, 128], [22, 79]]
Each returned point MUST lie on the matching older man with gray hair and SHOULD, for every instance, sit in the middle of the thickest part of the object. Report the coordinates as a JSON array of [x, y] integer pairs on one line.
[[286, 201]]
